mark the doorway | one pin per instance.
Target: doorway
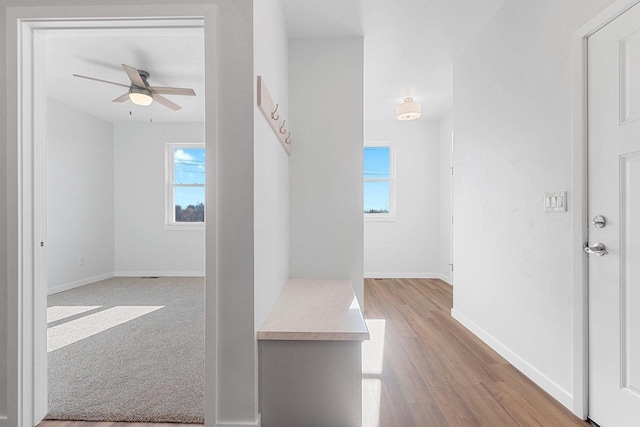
(30, 387)
(595, 273)
(124, 282)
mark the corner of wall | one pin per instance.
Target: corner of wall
(446, 278)
(446, 215)
(74, 137)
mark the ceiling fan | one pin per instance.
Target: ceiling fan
(141, 93)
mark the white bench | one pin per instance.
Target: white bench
(310, 352)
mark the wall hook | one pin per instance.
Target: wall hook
(272, 114)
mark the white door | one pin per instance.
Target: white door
(614, 193)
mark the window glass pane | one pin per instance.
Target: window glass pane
(376, 162)
(376, 197)
(189, 204)
(189, 165)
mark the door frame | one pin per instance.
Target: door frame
(580, 202)
(26, 386)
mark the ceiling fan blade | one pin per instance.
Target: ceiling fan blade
(134, 76)
(173, 90)
(122, 98)
(164, 101)
(100, 80)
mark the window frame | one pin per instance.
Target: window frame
(391, 216)
(170, 185)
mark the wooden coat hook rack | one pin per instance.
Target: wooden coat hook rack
(272, 115)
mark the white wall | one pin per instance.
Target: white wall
(87, 163)
(7, 192)
(444, 247)
(271, 167)
(513, 142)
(234, 237)
(408, 246)
(143, 247)
(326, 110)
(229, 249)
(80, 198)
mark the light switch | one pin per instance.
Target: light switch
(555, 202)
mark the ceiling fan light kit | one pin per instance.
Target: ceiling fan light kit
(140, 96)
(141, 93)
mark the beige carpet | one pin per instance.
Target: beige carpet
(128, 349)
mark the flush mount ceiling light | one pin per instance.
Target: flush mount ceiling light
(408, 110)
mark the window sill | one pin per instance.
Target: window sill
(381, 218)
(184, 227)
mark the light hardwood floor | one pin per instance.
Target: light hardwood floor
(435, 372)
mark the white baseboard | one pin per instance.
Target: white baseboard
(401, 275)
(159, 274)
(446, 279)
(256, 423)
(560, 394)
(78, 283)
(89, 280)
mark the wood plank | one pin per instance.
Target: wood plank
(437, 373)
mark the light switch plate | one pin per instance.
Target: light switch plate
(555, 202)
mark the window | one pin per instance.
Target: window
(379, 181)
(185, 178)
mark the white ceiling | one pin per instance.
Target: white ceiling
(409, 51)
(409, 44)
(173, 57)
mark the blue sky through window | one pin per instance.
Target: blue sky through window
(376, 176)
(376, 162)
(189, 168)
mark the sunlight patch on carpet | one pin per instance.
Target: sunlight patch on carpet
(85, 327)
(60, 312)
